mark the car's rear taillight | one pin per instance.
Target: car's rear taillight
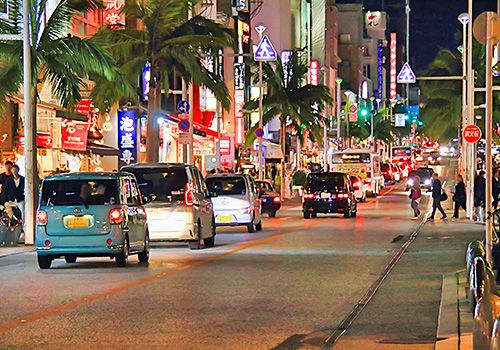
(277, 199)
(246, 210)
(309, 195)
(343, 195)
(115, 216)
(41, 217)
(188, 195)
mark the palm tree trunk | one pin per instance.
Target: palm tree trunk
(153, 134)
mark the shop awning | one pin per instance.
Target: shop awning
(71, 115)
(102, 150)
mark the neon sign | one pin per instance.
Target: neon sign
(393, 72)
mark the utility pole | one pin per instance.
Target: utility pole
(471, 157)
(191, 126)
(339, 107)
(29, 136)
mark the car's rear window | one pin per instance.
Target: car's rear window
(325, 182)
(266, 186)
(166, 183)
(227, 185)
(80, 192)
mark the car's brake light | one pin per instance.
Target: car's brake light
(115, 216)
(188, 195)
(277, 199)
(343, 195)
(309, 195)
(41, 217)
(246, 210)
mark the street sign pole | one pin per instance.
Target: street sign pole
(470, 118)
(260, 30)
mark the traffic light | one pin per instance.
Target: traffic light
(363, 111)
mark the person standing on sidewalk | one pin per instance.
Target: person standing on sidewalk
(480, 194)
(496, 187)
(416, 193)
(459, 197)
(3, 179)
(14, 189)
(437, 191)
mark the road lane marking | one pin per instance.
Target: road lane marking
(35, 317)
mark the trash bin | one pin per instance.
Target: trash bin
(3, 230)
(12, 235)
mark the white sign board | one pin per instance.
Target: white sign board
(184, 138)
(400, 120)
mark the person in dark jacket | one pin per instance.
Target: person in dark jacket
(459, 197)
(496, 187)
(436, 196)
(3, 179)
(14, 189)
(480, 189)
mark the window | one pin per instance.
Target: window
(230, 185)
(166, 183)
(79, 192)
(325, 182)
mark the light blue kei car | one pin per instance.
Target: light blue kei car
(91, 214)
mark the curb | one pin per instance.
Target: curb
(454, 322)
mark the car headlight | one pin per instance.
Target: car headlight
(410, 182)
(428, 182)
(440, 158)
(430, 158)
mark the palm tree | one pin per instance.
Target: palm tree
(58, 58)
(289, 98)
(173, 46)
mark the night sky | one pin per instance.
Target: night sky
(433, 24)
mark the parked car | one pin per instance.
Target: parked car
(358, 183)
(388, 173)
(330, 192)
(271, 200)
(91, 214)
(425, 175)
(180, 209)
(236, 201)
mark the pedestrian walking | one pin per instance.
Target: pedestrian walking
(274, 172)
(459, 197)
(437, 196)
(496, 187)
(415, 194)
(3, 179)
(480, 194)
(14, 190)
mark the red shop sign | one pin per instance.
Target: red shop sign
(74, 136)
(472, 133)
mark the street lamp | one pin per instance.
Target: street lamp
(260, 29)
(339, 105)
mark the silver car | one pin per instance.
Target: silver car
(179, 208)
(236, 201)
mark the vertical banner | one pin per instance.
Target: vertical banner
(127, 138)
(239, 121)
(393, 72)
(314, 72)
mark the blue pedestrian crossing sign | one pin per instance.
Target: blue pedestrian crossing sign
(265, 51)
(406, 75)
(183, 107)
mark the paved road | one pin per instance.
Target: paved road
(272, 289)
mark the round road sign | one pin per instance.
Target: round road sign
(353, 109)
(184, 125)
(471, 133)
(259, 132)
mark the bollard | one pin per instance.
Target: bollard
(495, 336)
(475, 249)
(487, 313)
(482, 282)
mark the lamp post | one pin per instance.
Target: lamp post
(471, 154)
(339, 107)
(464, 19)
(260, 29)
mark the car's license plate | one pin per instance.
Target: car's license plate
(78, 222)
(325, 195)
(225, 218)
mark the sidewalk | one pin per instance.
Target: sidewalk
(413, 308)
(14, 250)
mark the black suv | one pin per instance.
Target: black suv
(329, 193)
